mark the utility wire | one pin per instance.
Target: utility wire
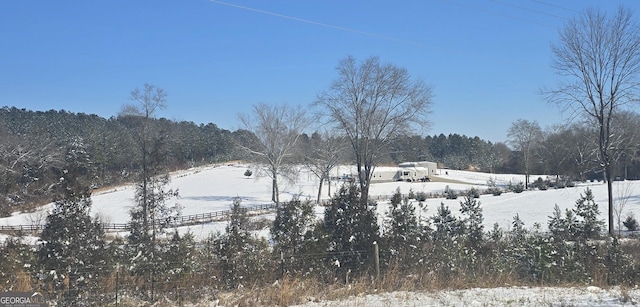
(557, 6)
(530, 10)
(316, 23)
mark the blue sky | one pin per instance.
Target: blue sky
(486, 60)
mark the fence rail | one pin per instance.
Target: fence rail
(192, 219)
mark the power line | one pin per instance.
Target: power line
(246, 8)
(530, 10)
(557, 6)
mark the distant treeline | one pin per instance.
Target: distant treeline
(34, 144)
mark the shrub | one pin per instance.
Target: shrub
(473, 192)
(412, 194)
(631, 223)
(541, 184)
(449, 193)
(421, 196)
(516, 188)
(493, 187)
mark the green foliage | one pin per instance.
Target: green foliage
(412, 194)
(473, 192)
(404, 232)
(421, 196)
(630, 223)
(472, 220)
(72, 241)
(540, 184)
(33, 149)
(516, 188)
(493, 187)
(248, 173)
(150, 219)
(620, 265)
(291, 232)
(350, 227)
(450, 193)
(234, 246)
(180, 260)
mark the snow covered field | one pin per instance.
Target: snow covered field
(213, 188)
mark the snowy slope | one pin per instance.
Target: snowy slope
(213, 188)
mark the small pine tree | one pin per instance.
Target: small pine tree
(587, 209)
(71, 253)
(472, 221)
(232, 248)
(403, 231)
(493, 187)
(148, 237)
(630, 223)
(450, 193)
(290, 229)
(351, 228)
(180, 256)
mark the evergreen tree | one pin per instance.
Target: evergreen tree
(71, 251)
(351, 228)
(234, 246)
(147, 239)
(404, 233)
(472, 221)
(587, 209)
(291, 229)
(180, 259)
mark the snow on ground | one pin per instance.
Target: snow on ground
(213, 188)
(512, 296)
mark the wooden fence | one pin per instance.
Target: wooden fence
(192, 219)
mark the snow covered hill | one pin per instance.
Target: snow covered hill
(213, 188)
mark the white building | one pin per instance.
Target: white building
(406, 171)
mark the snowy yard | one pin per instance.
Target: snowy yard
(213, 188)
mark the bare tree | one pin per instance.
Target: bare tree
(325, 152)
(624, 192)
(373, 103)
(145, 103)
(626, 139)
(525, 135)
(498, 155)
(599, 58)
(276, 129)
(552, 151)
(151, 216)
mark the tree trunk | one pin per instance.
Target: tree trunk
(320, 190)
(275, 191)
(610, 197)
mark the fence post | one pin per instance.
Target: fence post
(117, 284)
(376, 258)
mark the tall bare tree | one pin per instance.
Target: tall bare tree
(277, 129)
(626, 140)
(525, 135)
(144, 106)
(325, 152)
(599, 58)
(373, 103)
(151, 215)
